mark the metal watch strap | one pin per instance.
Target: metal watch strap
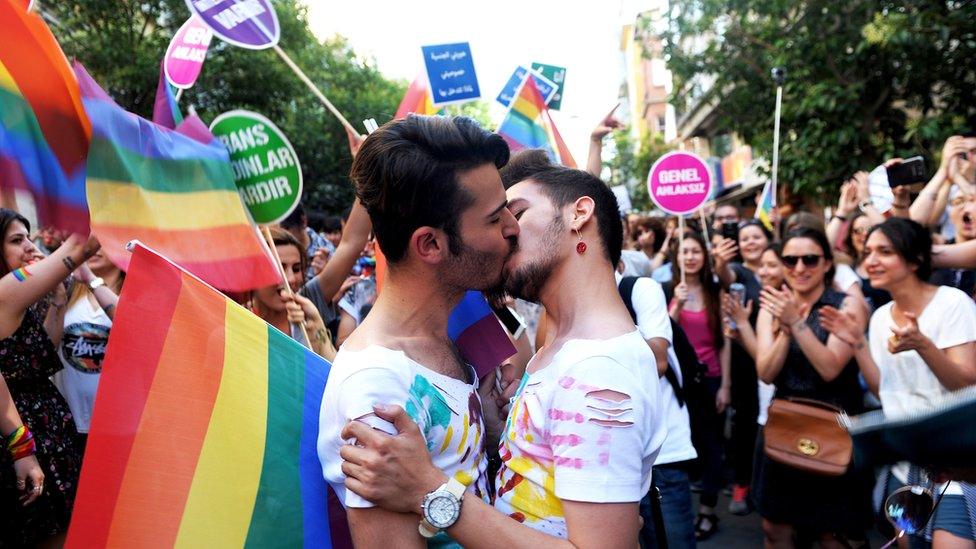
(454, 487)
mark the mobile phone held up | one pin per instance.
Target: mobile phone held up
(908, 172)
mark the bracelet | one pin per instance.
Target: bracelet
(841, 217)
(21, 443)
(901, 206)
(801, 322)
(859, 345)
(69, 264)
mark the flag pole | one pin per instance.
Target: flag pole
(681, 246)
(308, 82)
(179, 94)
(284, 277)
(779, 76)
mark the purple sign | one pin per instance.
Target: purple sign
(679, 182)
(250, 24)
(186, 52)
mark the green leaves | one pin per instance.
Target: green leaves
(122, 42)
(868, 79)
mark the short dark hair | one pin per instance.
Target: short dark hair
(524, 164)
(821, 241)
(652, 224)
(332, 224)
(911, 241)
(294, 219)
(755, 223)
(7, 218)
(406, 176)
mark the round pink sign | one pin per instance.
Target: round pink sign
(186, 52)
(679, 182)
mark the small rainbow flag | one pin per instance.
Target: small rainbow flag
(767, 201)
(173, 193)
(166, 112)
(529, 126)
(417, 100)
(478, 335)
(205, 425)
(44, 131)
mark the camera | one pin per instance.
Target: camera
(779, 75)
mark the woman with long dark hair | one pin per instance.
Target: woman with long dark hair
(31, 296)
(797, 354)
(696, 306)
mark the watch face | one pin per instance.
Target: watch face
(442, 509)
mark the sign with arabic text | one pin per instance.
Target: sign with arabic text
(546, 87)
(450, 71)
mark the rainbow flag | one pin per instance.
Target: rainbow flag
(205, 425)
(417, 100)
(173, 193)
(478, 335)
(767, 201)
(44, 132)
(529, 126)
(166, 112)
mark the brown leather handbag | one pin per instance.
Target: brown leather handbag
(805, 434)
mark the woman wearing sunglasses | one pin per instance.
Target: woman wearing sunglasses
(920, 347)
(799, 356)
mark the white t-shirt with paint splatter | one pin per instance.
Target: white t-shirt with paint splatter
(587, 428)
(447, 410)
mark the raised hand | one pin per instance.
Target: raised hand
(735, 310)
(782, 304)
(606, 125)
(907, 337)
(848, 198)
(723, 253)
(842, 324)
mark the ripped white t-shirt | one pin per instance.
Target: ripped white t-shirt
(587, 428)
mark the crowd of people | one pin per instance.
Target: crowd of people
(648, 357)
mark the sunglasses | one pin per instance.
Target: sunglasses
(809, 260)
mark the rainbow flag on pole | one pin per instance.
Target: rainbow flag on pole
(529, 126)
(767, 201)
(205, 425)
(417, 100)
(174, 193)
(44, 131)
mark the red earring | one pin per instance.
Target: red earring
(580, 246)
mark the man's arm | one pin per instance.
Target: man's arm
(395, 472)
(382, 529)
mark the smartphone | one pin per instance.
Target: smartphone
(730, 230)
(511, 320)
(908, 172)
(738, 292)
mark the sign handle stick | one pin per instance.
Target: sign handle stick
(274, 251)
(179, 94)
(325, 101)
(681, 246)
(704, 223)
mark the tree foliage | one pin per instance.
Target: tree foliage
(632, 162)
(867, 79)
(121, 42)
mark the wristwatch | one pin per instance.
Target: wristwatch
(442, 507)
(95, 283)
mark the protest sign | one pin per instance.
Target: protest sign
(186, 52)
(450, 71)
(251, 24)
(265, 167)
(679, 182)
(546, 87)
(557, 75)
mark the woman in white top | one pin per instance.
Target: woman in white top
(921, 346)
(84, 339)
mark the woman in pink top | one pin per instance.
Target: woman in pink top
(696, 306)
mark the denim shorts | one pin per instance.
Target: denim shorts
(951, 514)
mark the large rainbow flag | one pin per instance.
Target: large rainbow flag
(174, 193)
(44, 131)
(205, 425)
(417, 100)
(529, 126)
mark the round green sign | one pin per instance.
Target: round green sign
(265, 166)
